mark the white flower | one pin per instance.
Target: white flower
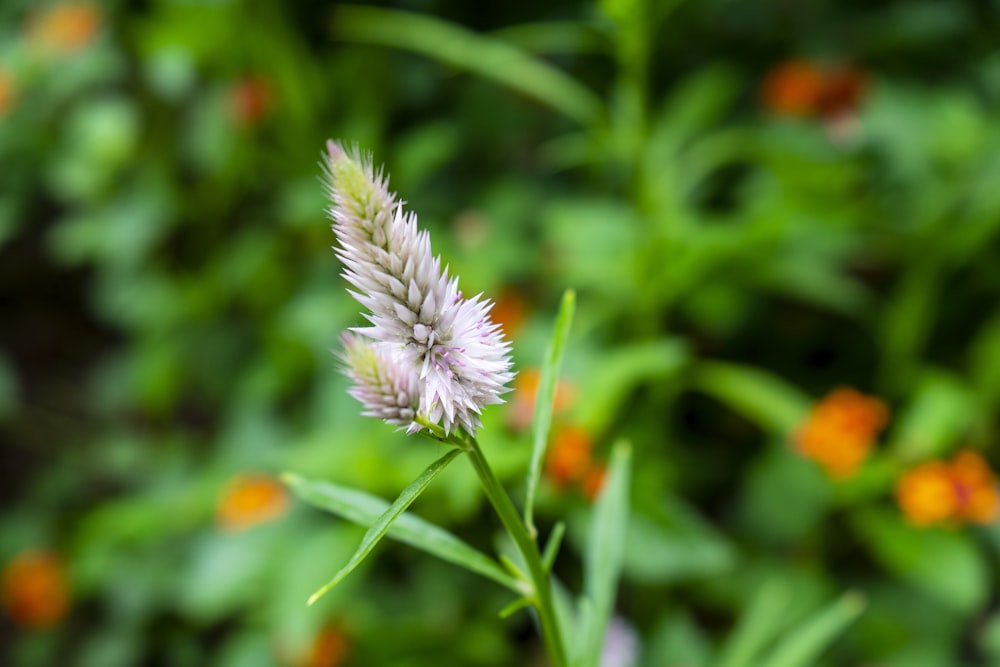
(458, 353)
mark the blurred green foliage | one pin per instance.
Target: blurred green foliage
(168, 303)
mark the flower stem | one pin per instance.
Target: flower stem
(511, 519)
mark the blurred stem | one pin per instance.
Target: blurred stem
(511, 519)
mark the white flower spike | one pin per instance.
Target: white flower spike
(448, 358)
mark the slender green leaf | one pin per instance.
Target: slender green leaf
(487, 56)
(668, 541)
(552, 546)
(584, 625)
(364, 509)
(513, 567)
(675, 640)
(804, 644)
(616, 374)
(759, 624)
(907, 319)
(941, 410)
(946, 564)
(984, 363)
(515, 606)
(605, 554)
(769, 401)
(545, 399)
(570, 37)
(385, 521)
(566, 613)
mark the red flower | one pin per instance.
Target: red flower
(250, 100)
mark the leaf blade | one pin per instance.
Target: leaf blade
(759, 623)
(381, 526)
(605, 553)
(766, 399)
(807, 641)
(545, 399)
(489, 57)
(363, 509)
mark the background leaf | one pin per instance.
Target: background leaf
(486, 56)
(604, 555)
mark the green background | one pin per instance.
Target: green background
(169, 302)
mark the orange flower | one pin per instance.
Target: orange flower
(569, 456)
(328, 649)
(6, 92)
(841, 429)
(249, 500)
(794, 88)
(35, 593)
(962, 491)
(926, 494)
(975, 488)
(522, 409)
(65, 28)
(249, 101)
(800, 88)
(509, 311)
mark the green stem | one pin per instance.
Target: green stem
(511, 520)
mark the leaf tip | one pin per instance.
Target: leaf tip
(622, 450)
(323, 591)
(854, 602)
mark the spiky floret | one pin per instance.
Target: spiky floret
(459, 355)
(385, 382)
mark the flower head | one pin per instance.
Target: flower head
(801, 88)
(963, 490)
(794, 88)
(841, 429)
(64, 28)
(421, 325)
(328, 649)
(249, 500)
(34, 589)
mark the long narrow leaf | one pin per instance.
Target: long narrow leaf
(364, 509)
(382, 525)
(551, 37)
(807, 641)
(545, 399)
(552, 547)
(766, 399)
(605, 554)
(488, 57)
(759, 624)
